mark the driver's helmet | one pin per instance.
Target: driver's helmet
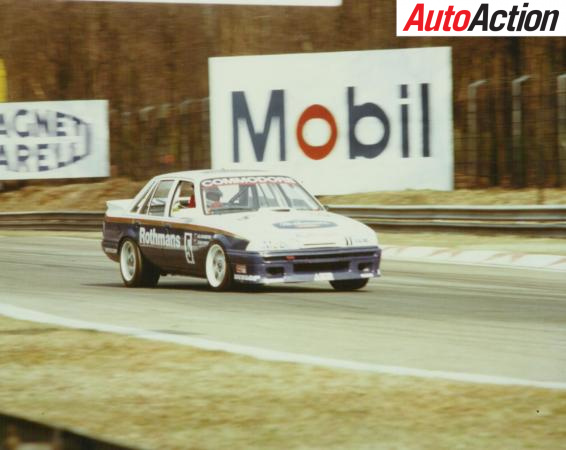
(213, 194)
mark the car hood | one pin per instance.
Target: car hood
(296, 229)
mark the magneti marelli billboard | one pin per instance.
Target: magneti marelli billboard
(66, 139)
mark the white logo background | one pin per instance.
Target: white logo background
(405, 9)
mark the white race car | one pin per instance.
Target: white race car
(245, 227)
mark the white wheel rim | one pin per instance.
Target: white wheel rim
(215, 265)
(128, 261)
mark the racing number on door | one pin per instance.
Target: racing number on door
(189, 254)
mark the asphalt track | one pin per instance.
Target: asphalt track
(440, 317)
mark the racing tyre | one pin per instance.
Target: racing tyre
(349, 285)
(136, 270)
(217, 266)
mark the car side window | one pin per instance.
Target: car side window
(184, 200)
(139, 206)
(156, 206)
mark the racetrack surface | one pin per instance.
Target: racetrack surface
(458, 318)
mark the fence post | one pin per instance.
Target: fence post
(473, 157)
(561, 129)
(115, 149)
(146, 147)
(206, 132)
(517, 132)
(126, 143)
(184, 127)
(163, 136)
(3, 83)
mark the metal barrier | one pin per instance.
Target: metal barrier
(53, 221)
(503, 218)
(17, 433)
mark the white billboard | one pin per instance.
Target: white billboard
(340, 122)
(66, 139)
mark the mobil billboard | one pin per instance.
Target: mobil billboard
(339, 122)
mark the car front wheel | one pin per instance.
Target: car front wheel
(349, 285)
(136, 270)
(218, 270)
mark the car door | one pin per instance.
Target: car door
(184, 211)
(152, 224)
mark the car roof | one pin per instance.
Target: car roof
(199, 175)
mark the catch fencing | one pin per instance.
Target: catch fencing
(160, 138)
(511, 133)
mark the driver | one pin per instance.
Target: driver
(184, 198)
(213, 196)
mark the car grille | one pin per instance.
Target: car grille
(341, 266)
(301, 257)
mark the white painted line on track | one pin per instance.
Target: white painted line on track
(72, 238)
(271, 355)
(484, 258)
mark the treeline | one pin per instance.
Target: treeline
(136, 55)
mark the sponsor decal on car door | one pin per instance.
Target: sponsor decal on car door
(189, 253)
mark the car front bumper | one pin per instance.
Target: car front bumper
(326, 264)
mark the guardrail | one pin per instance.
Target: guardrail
(551, 219)
(53, 221)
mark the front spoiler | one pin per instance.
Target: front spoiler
(309, 265)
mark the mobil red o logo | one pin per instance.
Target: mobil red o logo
(317, 152)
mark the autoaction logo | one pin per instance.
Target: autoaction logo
(39, 140)
(481, 18)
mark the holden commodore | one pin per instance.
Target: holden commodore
(236, 227)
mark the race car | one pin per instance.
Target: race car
(236, 227)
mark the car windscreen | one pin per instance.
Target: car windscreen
(239, 194)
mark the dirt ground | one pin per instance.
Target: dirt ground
(68, 197)
(156, 395)
(93, 197)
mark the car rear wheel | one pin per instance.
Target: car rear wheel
(349, 285)
(218, 270)
(136, 270)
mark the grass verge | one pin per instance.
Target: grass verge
(157, 395)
